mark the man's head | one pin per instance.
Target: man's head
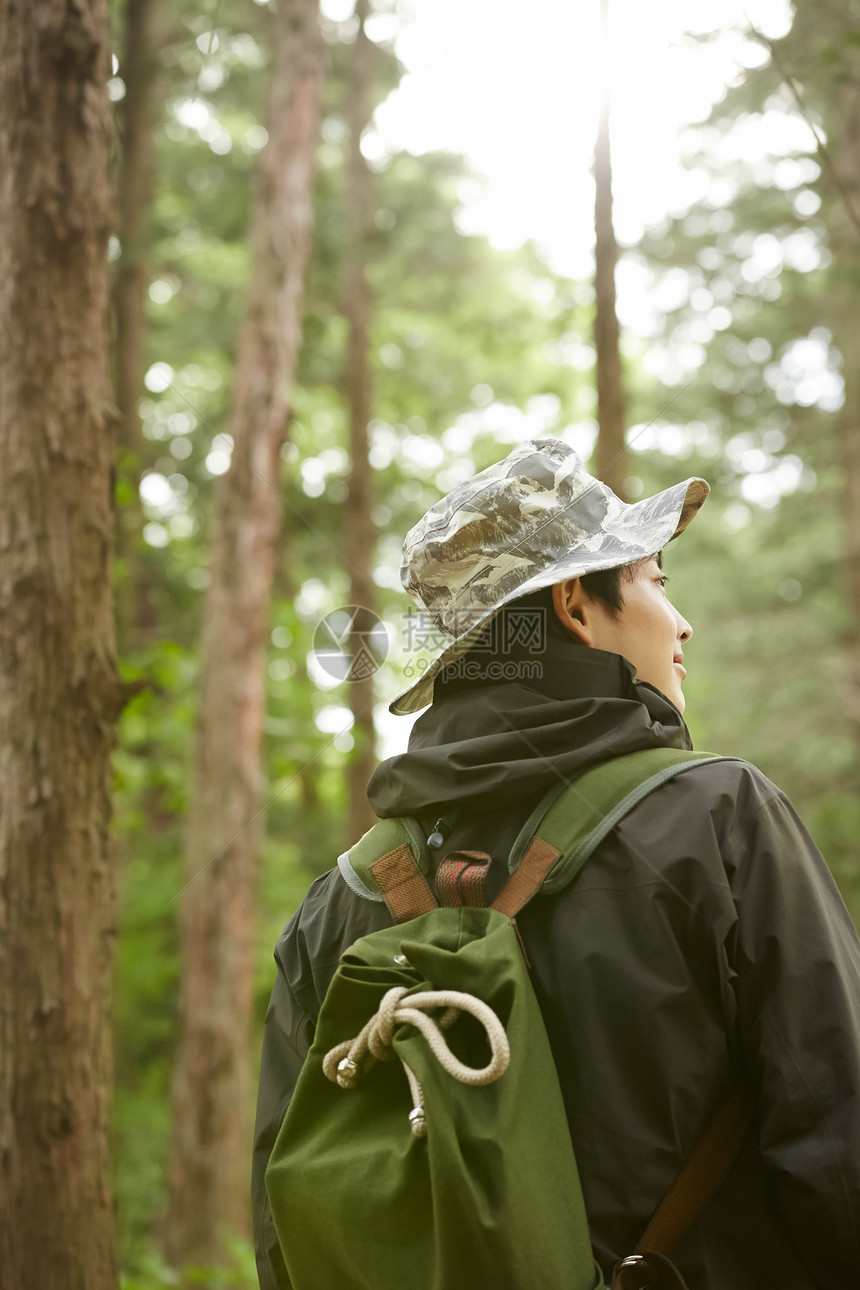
(624, 611)
(529, 522)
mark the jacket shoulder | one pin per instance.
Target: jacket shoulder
(729, 778)
(703, 827)
(329, 919)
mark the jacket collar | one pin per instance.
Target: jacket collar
(483, 742)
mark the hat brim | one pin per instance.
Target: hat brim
(683, 500)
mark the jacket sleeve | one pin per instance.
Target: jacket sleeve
(287, 1037)
(797, 960)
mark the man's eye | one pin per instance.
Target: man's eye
(662, 581)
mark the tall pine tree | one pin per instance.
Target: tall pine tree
(208, 1192)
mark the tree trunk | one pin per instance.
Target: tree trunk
(850, 454)
(137, 126)
(358, 525)
(611, 453)
(59, 690)
(846, 251)
(137, 118)
(208, 1180)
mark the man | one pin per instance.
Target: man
(703, 945)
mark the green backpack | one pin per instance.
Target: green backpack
(471, 1180)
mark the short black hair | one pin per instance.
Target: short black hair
(604, 586)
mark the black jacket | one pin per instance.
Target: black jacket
(705, 941)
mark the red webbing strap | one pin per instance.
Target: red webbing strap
(403, 886)
(701, 1176)
(460, 879)
(527, 878)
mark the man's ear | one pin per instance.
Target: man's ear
(571, 606)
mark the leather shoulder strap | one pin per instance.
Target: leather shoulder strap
(701, 1177)
(389, 863)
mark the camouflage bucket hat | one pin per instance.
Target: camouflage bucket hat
(529, 521)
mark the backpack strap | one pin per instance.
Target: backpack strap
(461, 878)
(553, 845)
(390, 863)
(702, 1175)
(685, 1202)
(572, 819)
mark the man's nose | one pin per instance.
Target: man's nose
(685, 631)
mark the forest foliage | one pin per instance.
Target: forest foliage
(473, 349)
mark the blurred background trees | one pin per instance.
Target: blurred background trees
(610, 457)
(207, 1194)
(765, 272)
(282, 425)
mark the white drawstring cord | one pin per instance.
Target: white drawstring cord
(341, 1064)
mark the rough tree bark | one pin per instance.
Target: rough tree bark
(209, 1168)
(59, 690)
(137, 117)
(611, 453)
(358, 525)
